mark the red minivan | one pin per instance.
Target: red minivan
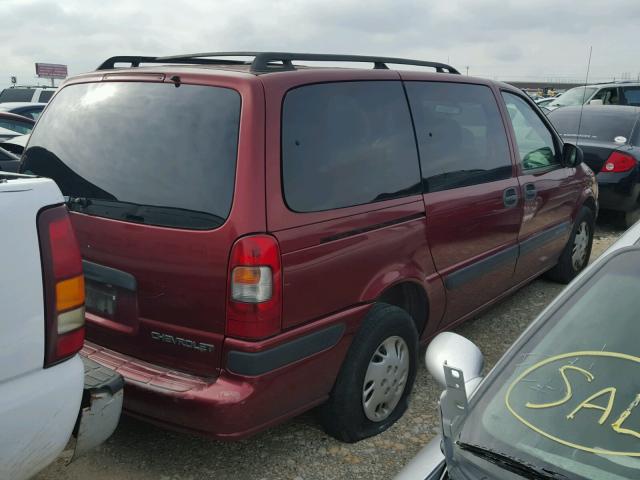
(261, 237)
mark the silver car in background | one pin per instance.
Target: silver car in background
(564, 400)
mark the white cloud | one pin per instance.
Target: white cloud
(505, 39)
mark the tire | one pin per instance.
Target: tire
(345, 415)
(569, 265)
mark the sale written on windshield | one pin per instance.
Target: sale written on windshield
(569, 398)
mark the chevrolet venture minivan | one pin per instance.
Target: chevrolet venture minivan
(262, 237)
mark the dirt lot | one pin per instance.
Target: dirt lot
(299, 449)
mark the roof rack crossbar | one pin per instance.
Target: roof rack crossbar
(264, 62)
(135, 61)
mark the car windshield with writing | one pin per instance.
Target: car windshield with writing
(141, 152)
(567, 398)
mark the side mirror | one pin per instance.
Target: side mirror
(572, 155)
(596, 102)
(456, 351)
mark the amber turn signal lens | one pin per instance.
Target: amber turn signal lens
(70, 293)
(246, 275)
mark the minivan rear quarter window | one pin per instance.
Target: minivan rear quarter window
(346, 144)
(141, 152)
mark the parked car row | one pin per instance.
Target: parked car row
(259, 239)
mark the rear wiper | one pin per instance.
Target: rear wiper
(140, 213)
(79, 201)
(512, 464)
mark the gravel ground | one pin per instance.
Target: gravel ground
(299, 449)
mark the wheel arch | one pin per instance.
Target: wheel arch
(412, 297)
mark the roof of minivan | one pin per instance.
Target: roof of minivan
(291, 68)
(244, 72)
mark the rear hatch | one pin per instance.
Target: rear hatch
(148, 169)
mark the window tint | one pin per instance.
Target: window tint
(535, 141)
(33, 113)
(347, 144)
(16, 95)
(461, 136)
(141, 152)
(631, 96)
(45, 95)
(609, 96)
(22, 128)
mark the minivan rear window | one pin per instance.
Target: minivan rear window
(141, 152)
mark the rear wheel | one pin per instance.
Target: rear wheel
(575, 256)
(374, 384)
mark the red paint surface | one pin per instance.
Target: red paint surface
(182, 275)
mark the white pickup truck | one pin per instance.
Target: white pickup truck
(47, 395)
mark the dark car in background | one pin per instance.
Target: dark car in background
(609, 136)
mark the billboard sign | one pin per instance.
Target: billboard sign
(51, 70)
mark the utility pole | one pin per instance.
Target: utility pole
(467, 70)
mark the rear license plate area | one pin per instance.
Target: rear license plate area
(100, 299)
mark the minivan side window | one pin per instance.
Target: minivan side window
(535, 142)
(347, 144)
(461, 136)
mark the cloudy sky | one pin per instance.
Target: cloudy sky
(505, 39)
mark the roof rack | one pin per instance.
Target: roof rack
(264, 62)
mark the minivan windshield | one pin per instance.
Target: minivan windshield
(575, 96)
(142, 152)
(567, 399)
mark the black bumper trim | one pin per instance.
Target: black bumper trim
(258, 363)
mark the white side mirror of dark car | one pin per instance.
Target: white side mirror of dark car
(456, 351)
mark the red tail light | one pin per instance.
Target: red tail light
(63, 286)
(619, 162)
(254, 304)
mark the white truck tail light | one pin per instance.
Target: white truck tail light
(63, 285)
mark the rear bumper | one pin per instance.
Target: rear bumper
(101, 406)
(37, 414)
(263, 384)
(618, 191)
